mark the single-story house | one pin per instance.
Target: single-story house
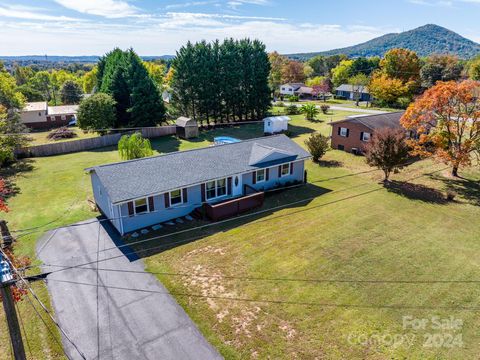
(275, 124)
(351, 134)
(348, 92)
(290, 88)
(61, 115)
(38, 115)
(34, 114)
(139, 193)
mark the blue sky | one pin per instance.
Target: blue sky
(87, 27)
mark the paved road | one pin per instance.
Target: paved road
(346, 108)
(125, 324)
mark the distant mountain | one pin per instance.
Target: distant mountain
(425, 40)
(67, 59)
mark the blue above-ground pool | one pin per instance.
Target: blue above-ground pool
(221, 140)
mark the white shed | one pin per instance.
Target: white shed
(275, 124)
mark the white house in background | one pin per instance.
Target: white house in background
(34, 113)
(275, 124)
(166, 96)
(38, 115)
(290, 88)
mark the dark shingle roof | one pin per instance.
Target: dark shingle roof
(155, 175)
(348, 87)
(390, 120)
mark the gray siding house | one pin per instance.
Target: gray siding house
(140, 193)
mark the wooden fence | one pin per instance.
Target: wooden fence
(66, 147)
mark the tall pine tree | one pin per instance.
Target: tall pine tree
(123, 75)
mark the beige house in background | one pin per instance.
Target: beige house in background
(38, 115)
(34, 113)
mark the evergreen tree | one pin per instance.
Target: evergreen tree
(123, 75)
(71, 92)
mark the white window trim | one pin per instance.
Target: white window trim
(281, 171)
(170, 198)
(369, 136)
(346, 132)
(135, 207)
(264, 176)
(216, 189)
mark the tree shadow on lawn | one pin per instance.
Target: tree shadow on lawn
(416, 192)
(199, 229)
(468, 189)
(16, 169)
(330, 163)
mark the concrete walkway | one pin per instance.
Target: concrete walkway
(106, 322)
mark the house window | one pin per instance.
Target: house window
(269, 123)
(39, 114)
(285, 170)
(176, 197)
(221, 187)
(211, 192)
(260, 175)
(343, 132)
(283, 88)
(141, 206)
(341, 147)
(365, 136)
(216, 188)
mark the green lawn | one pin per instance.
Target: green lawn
(40, 137)
(349, 228)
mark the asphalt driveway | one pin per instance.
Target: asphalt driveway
(106, 322)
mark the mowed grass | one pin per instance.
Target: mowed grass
(349, 228)
(41, 137)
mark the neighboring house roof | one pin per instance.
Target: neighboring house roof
(184, 121)
(139, 178)
(390, 120)
(62, 110)
(295, 86)
(305, 90)
(35, 106)
(349, 88)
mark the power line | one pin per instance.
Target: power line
(278, 302)
(267, 279)
(238, 218)
(47, 327)
(42, 304)
(169, 245)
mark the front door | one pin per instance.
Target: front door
(237, 185)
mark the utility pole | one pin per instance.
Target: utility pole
(6, 282)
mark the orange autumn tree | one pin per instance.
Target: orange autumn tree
(19, 262)
(447, 120)
(4, 191)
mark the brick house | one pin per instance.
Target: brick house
(351, 134)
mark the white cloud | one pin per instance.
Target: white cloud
(191, 4)
(29, 13)
(166, 34)
(235, 4)
(105, 8)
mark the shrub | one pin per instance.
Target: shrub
(293, 98)
(325, 108)
(134, 147)
(291, 110)
(280, 104)
(61, 133)
(317, 145)
(403, 102)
